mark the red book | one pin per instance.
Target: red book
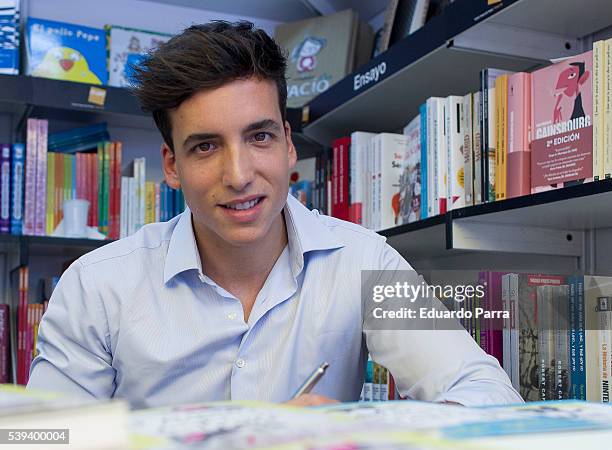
(5, 344)
(562, 124)
(94, 181)
(111, 190)
(340, 205)
(519, 123)
(22, 311)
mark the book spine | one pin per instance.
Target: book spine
(513, 299)
(476, 132)
(111, 190)
(142, 179)
(118, 186)
(500, 193)
(29, 216)
(95, 183)
(607, 113)
(355, 168)
(483, 112)
(384, 384)
(157, 202)
(17, 184)
(124, 201)
(106, 192)
(335, 206)
(132, 205)
(41, 178)
(604, 315)
(468, 150)
(100, 196)
(50, 194)
(22, 324)
(5, 344)
(562, 344)
(580, 381)
(424, 162)
(598, 108)
(58, 188)
(369, 380)
(5, 188)
(572, 337)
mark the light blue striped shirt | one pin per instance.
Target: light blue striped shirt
(139, 319)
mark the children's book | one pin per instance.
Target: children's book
(65, 51)
(9, 37)
(126, 48)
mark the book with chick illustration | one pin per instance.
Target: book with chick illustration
(66, 51)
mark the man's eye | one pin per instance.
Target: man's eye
(262, 137)
(204, 147)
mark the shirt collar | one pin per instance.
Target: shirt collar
(305, 233)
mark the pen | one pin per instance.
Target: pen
(311, 381)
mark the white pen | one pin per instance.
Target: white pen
(311, 381)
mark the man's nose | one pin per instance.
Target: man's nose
(238, 168)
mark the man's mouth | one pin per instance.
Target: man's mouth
(240, 206)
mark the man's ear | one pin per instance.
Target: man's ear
(292, 152)
(169, 167)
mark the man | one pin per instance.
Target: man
(246, 292)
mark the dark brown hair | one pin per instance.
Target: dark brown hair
(206, 57)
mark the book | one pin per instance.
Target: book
(65, 51)
(410, 15)
(607, 110)
(498, 183)
(31, 158)
(424, 164)
(455, 195)
(599, 93)
(9, 36)
(340, 178)
(92, 424)
(519, 123)
(5, 188)
(41, 178)
(410, 183)
(358, 176)
(390, 149)
(477, 149)
(5, 344)
(17, 180)
(321, 52)
(562, 110)
(126, 48)
(384, 40)
(468, 149)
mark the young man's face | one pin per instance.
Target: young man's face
(232, 156)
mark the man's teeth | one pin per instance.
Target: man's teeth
(245, 205)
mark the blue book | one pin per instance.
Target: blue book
(17, 158)
(9, 37)
(65, 51)
(423, 113)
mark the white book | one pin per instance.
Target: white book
(455, 195)
(439, 157)
(468, 149)
(607, 95)
(374, 186)
(431, 167)
(391, 149)
(132, 206)
(514, 331)
(598, 116)
(505, 296)
(140, 175)
(123, 219)
(358, 175)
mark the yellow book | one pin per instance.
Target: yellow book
(607, 111)
(503, 151)
(50, 219)
(150, 202)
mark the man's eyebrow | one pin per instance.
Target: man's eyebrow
(266, 124)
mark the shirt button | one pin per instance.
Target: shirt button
(240, 363)
(231, 316)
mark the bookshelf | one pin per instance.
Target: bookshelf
(25, 96)
(548, 223)
(445, 56)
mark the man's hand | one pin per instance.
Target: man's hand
(311, 400)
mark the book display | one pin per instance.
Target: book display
(450, 133)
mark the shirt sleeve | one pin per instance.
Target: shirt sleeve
(438, 365)
(73, 346)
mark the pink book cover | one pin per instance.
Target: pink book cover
(29, 213)
(562, 130)
(40, 221)
(519, 123)
(491, 329)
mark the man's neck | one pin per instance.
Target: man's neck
(243, 270)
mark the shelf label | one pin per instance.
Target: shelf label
(97, 96)
(371, 76)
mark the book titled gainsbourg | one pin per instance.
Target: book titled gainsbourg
(322, 51)
(562, 111)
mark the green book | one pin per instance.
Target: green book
(101, 186)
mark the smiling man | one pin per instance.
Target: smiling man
(247, 291)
